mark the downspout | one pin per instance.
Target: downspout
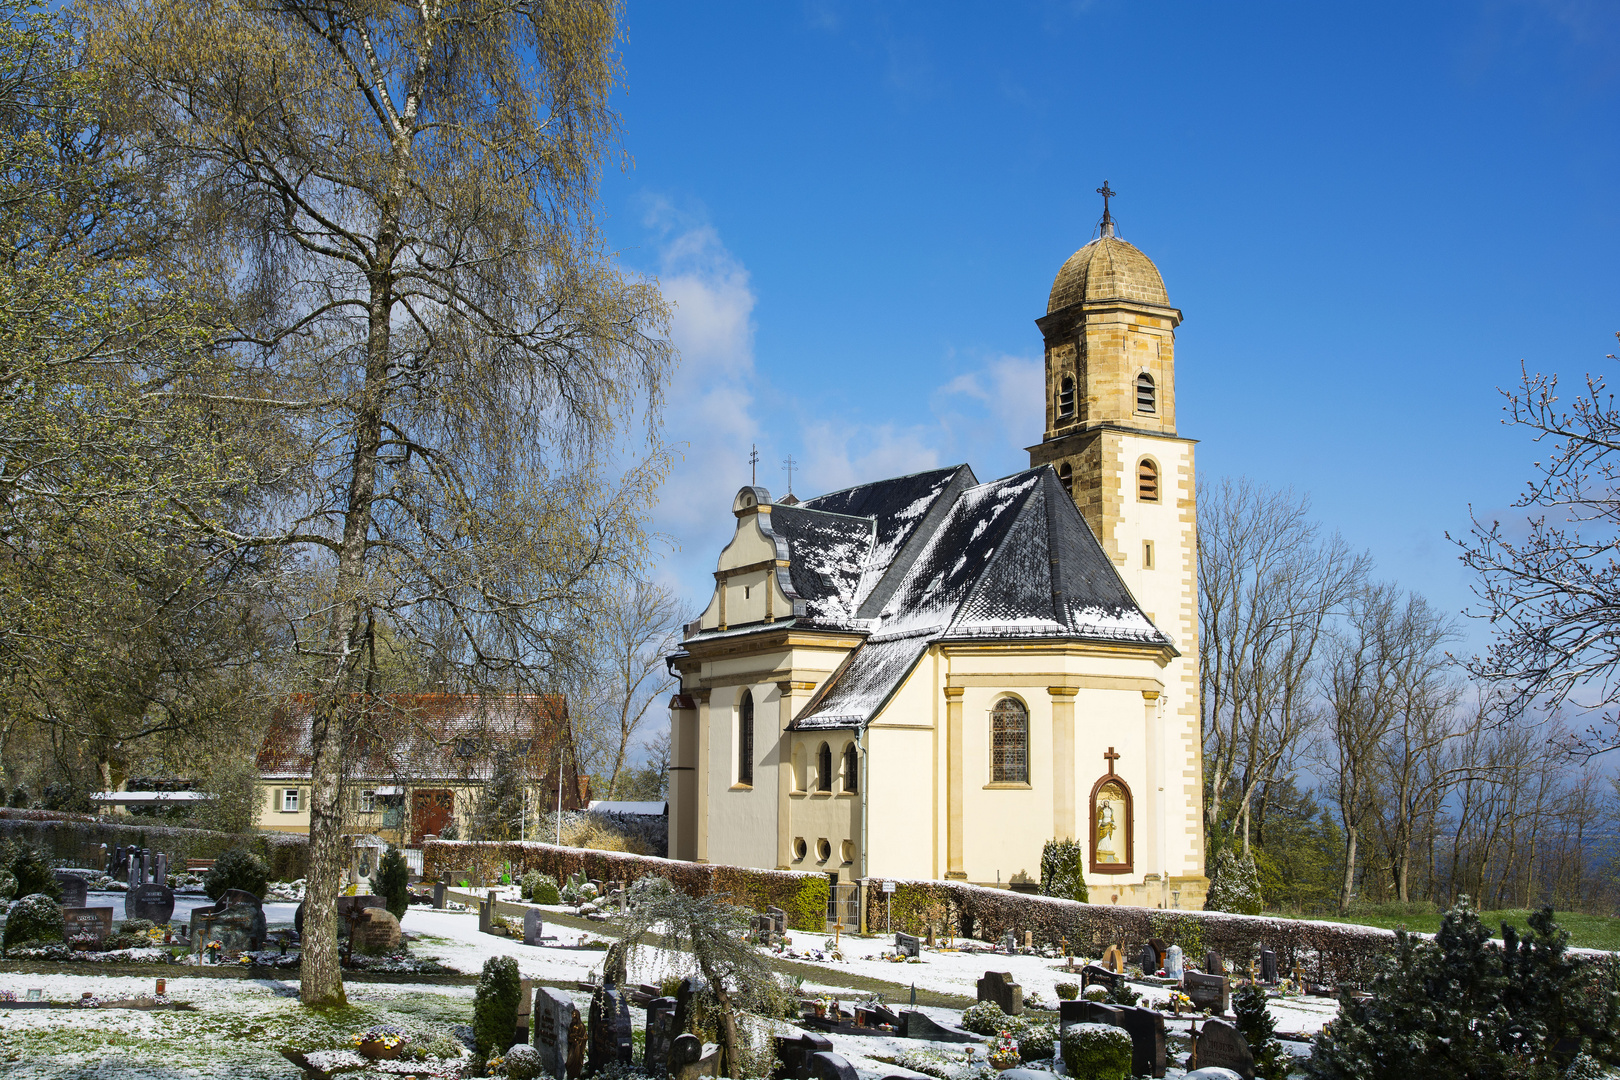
(860, 742)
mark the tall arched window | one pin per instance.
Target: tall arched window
(1065, 401)
(852, 768)
(1147, 399)
(1112, 831)
(1066, 478)
(745, 739)
(1147, 480)
(1009, 742)
(824, 768)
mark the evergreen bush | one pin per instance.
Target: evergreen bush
(1258, 1027)
(495, 1005)
(545, 892)
(1036, 1042)
(237, 868)
(1235, 885)
(392, 882)
(523, 1063)
(1122, 993)
(1063, 867)
(34, 874)
(1067, 991)
(1095, 993)
(985, 1018)
(1097, 1052)
(8, 885)
(36, 917)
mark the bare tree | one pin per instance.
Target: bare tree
(395, 204)
(1269, 584)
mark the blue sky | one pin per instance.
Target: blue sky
(1368, 214)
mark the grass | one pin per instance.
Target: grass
(1585, 931)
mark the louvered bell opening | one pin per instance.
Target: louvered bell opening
(1147, 482)
(1066, 399)
(1146, 398)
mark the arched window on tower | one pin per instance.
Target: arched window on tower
(1065, 401)
(1147, 480)
(745, 739)
(852, 768)
(1009, 742)
(1066, 478)
(1147, 400)
(824, 768)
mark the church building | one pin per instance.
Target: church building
(931, 676)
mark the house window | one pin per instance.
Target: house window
(368, 801)
(852, 766)
(824, 768)
(289, 800)
(745, 740)
(1009, 742)
(1147, 481)
(1146, 394)
(1065, 400)
(1066, 478)
(1147, 554)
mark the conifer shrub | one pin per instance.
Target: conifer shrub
(392, 882)
(1258, 1027)
(1097, 1052)
(1063, 867)
(34, 874)
(237, 868)
(1235, 885)
(36, 917)
(495, 1005)
(541, 888)
(1122, 993)
(1459, 1007)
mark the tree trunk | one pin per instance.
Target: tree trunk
(1349, 867)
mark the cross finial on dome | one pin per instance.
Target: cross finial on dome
(1108, 219)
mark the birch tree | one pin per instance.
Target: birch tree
(395, 203)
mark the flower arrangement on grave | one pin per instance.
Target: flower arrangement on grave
(1179, 1002)
(214, 949)
(384, 1042)
(1003, 1052)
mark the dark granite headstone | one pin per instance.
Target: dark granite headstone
(533, 926)
(1149, 960)
(778, 919)
(683, 1004)
(75, 893)
(236, 921)
(1158, 945)
(1211, 992)
(94, 923)
(690, 1059)
(876, 1015)
(1087, 1012)
(151, 901)
(1214, 963)
(438, 894)
(793, 1055)
(918, 1025)
(486, 922)
(1222, 1046)
(1268, 966)
(999, 987)
(908, 945)
(162, 874)
(660, 1034)
(827, 1065)
(610, 1030)
(1146, 1027)
(1100, 976)
(553, 1014)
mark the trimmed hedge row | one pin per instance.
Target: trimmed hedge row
(1329, 953)
(76, 839)
(802, 895)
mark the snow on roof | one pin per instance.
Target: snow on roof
(135, 798)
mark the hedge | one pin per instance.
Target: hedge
(1330, 953)
(802, 895)
(75, 839)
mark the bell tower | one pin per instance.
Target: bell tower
(1110, 343)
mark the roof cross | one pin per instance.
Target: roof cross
(1112, 757)
(789, 464)
(753, 466)
(1107, 193)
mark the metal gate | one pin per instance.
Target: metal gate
(843, 904)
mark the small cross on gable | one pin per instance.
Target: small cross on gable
(1112, 757)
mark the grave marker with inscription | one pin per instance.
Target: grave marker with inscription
(999, 987)
(553, 1015)
(90, 925)
(534, 927)
(152, 901)
(907, 945)
(660, 1035)
(1221, 1046)
(1210, 992)
(1268, 966)
(75, 893)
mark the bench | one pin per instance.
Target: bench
(199, 866)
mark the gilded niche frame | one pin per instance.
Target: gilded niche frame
(1130, 825)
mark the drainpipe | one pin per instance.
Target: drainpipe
(860, 743)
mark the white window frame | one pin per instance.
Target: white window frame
(368, 801)
(289, 800)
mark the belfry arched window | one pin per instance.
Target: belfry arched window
(824, 768)
(1066, 478)
(1112, 831)
(1065, 400)
(1147, 480)
(745, 739)
(1147, 399)
(852, 768)
(1009, 742)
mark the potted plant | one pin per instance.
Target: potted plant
(1003, 1052)
(381, 1043)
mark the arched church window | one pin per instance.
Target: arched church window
(824, 768)
(745, 739)
(1066, 478)
(852, 766)
(1009, 742)
(1147, 480)
(1111, 827)
(1147, 400)
(1065, 402)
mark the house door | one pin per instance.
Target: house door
(430, 813)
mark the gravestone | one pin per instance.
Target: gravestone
(1101, 976)
(1113, 958)
(533, 927)
(1008, 945)
(525, 1011)
(999, 987)
(683, 1004)
(918, 1025)
(486, 916)
(152, 901)
(908, 945)
(778, 918)
(377, 931)
(115, 863)
(75, 893)
(690, 1059)
(236, 921)
(162, 875)
(553, 1014)
(610, 1030)
(439, 888)
(793, 1055)
(1211, 992)
(94, 923)
(660, 1034)
(1174, 966)
(346, 906)
(1159, 947)
(1146, 1028)
(1268, 966)
(1222, 1046)
(1214, 964)
(1149, 960)
(1086, 1012)
(827, 1065)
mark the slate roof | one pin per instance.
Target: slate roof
(938, 556)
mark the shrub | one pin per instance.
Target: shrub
(495, 1005)
(8, 885)
(34, 874)
(392, 882)
(1067, 991)
(523, 1063)
(1235, 885)
(1257, 1025)
(1036, 1042)
(1096, 993)
(36, 917)
(985, 1018)
(1122, 993)
(541, 888)
(1063, 868)
(1097, 1052)
(237, 868)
